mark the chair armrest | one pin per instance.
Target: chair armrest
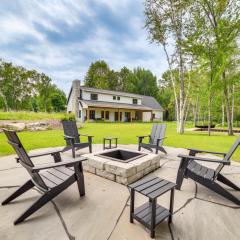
(58, 164)
(143, 136)
(41, 154)
(69, 137)
(85, 135)
(161, 138)
(205, 151)
(203, 159)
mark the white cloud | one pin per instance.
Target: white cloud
(65, 61)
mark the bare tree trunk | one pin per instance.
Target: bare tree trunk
(209, 114)
(173, 86)
(196, 111)
(223, 114)
(228, 108)
(181, 94)
(187, 111)
(4, 101)
(232, 117)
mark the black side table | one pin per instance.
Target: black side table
(150, 214)
(110, 142)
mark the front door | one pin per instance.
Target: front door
(92, 114)
(127, 117)
(138, 115)
(116, 116)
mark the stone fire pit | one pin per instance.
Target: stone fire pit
(121, 165)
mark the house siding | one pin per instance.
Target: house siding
(109, 98)
(105, 102)
(147, 116)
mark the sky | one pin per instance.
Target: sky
(63, 37)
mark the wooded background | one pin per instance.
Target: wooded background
(200, 40)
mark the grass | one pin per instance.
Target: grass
(21, 115)
(127, 133)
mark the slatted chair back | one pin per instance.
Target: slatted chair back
(228, 156)
(158, 131)
(70, 129)
(24, 159)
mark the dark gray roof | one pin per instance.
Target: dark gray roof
(151, 102)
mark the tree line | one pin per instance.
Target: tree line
(138, 80)
(200, 39)
(23, 89)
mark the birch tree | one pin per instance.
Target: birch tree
(166, 22)
(216, 26)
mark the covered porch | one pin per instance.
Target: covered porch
(115, 112)
(117, 115)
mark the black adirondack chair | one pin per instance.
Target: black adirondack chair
(190, 168)
(155, 139)
(50, 179)
(72, 138)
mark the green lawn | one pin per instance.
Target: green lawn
(22, 115)
(127, 133)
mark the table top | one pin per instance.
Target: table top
(110, 138)
(152, 187)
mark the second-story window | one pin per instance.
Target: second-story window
(135, 101)
(114, 97)
(94, 96)
(118, 98)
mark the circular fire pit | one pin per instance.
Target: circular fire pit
(121, 165)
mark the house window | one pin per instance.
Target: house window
(92, 114)
(102, 114)
(114, 97)
(80, 114)
(107, 115)
(135, 101)
(94, 96)
(118, 98)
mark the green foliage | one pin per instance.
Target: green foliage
(203, 60)
(139, 81)
(98, 75)
(26, 115)
(68, 117)
(147, 82)
(22, 89)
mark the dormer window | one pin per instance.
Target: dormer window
(135, 101)
(94, 96)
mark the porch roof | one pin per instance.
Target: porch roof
(101, 104)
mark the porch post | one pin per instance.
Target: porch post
(89, 114)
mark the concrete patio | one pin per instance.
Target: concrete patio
(103, 214)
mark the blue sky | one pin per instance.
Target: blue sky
(62, 38)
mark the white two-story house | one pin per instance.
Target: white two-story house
(107, 105)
